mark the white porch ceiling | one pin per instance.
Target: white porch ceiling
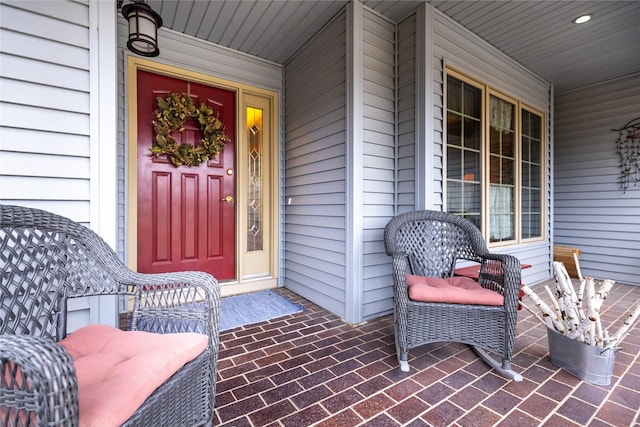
(538, 34)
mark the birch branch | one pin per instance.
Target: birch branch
(603, 292)
(615, 339)
(554, 301)
(592, 313)
(580, 277)
(598, 330)
(546, 320)
(544, 308)
(578, 270)
(567, 298)
(583, 283)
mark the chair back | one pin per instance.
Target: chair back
(46, 259)
(433, 241)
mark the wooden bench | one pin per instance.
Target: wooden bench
(565, 255)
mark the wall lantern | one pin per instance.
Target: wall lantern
(143, 28)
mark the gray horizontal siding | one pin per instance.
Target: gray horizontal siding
(45, 106)
(406, 92)
(378, 163)
(590, 209)
(45, 111)
(315, 169)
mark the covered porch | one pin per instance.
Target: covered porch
(312, 368)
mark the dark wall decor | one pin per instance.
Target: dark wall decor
(628, 148)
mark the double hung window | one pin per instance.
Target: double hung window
(494, 161)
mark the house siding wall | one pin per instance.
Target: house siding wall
(590, 209)
(45, 106)
(56, 119)
(407, 95)
(315, 169)
(455, 46)
(378, 162)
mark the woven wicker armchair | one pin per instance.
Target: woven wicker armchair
(430, 243)
(47, 260)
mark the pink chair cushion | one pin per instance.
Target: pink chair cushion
(455, 290)
(118, 370)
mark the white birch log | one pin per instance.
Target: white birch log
(580, 333)
(590, 298)
(603, 292)
(583, 283)
(544, 308)
(599, 336)
(554, 301)
(567, 298)
(591, 313)
(580, 277)
(546, 320)
(578, 270)
(615, 339)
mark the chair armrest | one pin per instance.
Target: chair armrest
(401, 267)
(186, 301)
(37, 382)
(502, 273)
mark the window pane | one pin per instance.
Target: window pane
(501, 114)
(494, 141)
(464, 141)
(508, 171)
(454, 94)
(508, 149)
(454, 197)
(494, 170)
(472, 133)
(535, 176)
(535, 148)
(536, 127)
(255, 226)
(535, 196)
(501, 213)
(454, 129)
(472, 104)
(472, 166)
(502, 170)
(526, 148)
(454, 163)
(472, 199)
(531, 179)
(526, 174)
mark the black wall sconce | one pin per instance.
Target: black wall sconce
(143, 27)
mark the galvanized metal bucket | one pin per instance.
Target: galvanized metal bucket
(587, 362)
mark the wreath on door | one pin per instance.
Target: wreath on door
(170, 117)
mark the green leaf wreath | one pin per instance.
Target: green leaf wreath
(170, 117)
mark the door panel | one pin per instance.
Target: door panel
(184, 222)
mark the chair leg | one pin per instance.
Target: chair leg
(403, 356)
(504, 369)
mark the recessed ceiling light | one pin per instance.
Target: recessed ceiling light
(582, 19)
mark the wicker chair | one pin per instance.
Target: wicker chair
(430, 243)
(46, 260)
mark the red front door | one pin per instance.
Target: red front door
(186, 214)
